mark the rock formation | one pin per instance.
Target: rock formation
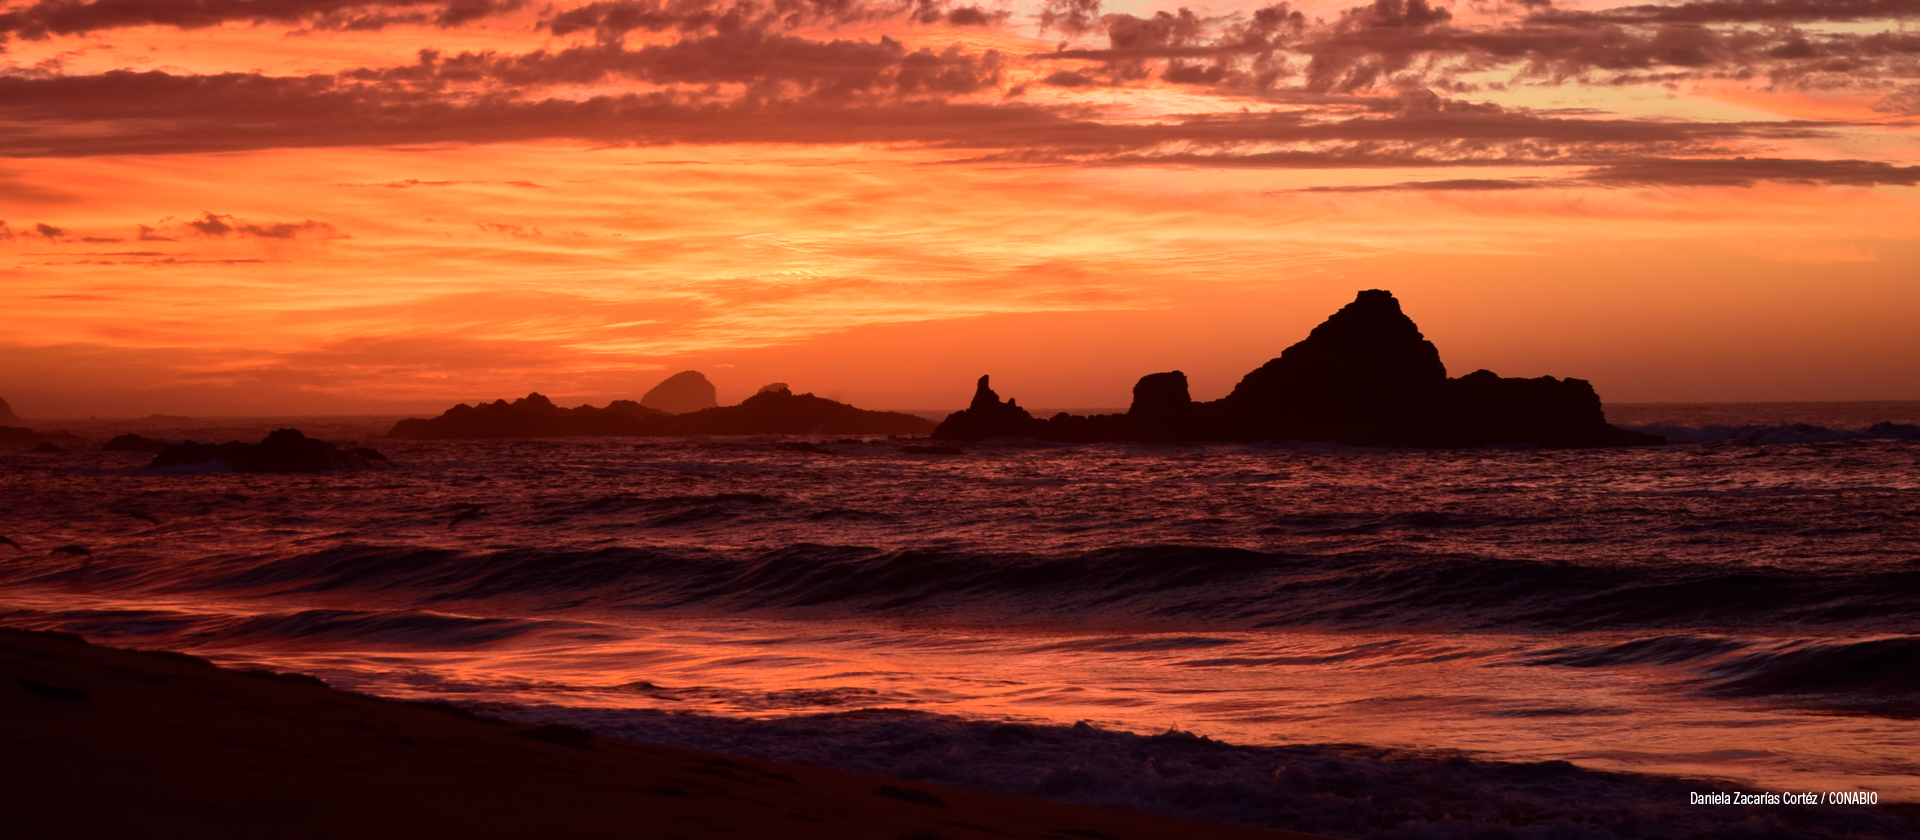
(14, 430)
(131, 442)
(283, 451)
(988, 417)
(773, 411)
(778, 411)
(681, 393)
(1365, 376)
(531, 416)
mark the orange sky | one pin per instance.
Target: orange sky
(298, 206)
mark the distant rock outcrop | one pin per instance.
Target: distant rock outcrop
(14, 430)
(771, 412)
(131, 442)
(681, 393)
(1365, 376)
(283, 451)
(531, 416)
(779, 411)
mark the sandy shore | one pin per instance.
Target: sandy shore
(107, 743)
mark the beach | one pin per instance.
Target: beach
(104, 743)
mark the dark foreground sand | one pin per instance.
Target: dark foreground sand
(104, 743)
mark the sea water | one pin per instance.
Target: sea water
(1243, 626)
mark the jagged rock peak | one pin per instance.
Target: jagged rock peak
(681, 393)
(1373, 336)
(7, 417)
(774, 388)
(983, 396)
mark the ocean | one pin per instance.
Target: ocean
(1352, 641)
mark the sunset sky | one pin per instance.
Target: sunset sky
(337, 206)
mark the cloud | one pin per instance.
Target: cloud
(219, 226)
(1382, 84)
(52, 233)
(48, 18)
(1745, 172)
(612, 21)
(1412, 44)
(1737, 11)
(1069, 17)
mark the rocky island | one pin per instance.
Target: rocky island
(13, 429)
(1365, 376)
(775, 410)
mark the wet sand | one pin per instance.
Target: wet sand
(102, 743)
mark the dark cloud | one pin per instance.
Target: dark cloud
(765, 66)
(70, 116)
(148, 234)
(47, 18)
(1380, 85)
(1737, 11)
(52, 233)
(1451, 185)
(219, 226)
(6, 233)
(1745, 172)
(611, 21)
(1413, 44)
(1069, 17)
(1682, 172)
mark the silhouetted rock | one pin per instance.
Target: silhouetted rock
(283, 451)
(49, 449)
(770, 412)
(988, 417)
(131, 442)
(531, 416)
(778, 411)
(1162, 409)
(1365, 376)
(7, 417)
(683, 392)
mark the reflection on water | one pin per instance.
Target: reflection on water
(1750, 613)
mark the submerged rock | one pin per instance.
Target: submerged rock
(683, 392)
(283, 451)
(1365, 376)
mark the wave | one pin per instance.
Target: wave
(384, 629)
(1167, 587)
(1383, 794)
(1758, 435)
(1875, 675)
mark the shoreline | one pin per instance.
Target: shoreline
(107, 742)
